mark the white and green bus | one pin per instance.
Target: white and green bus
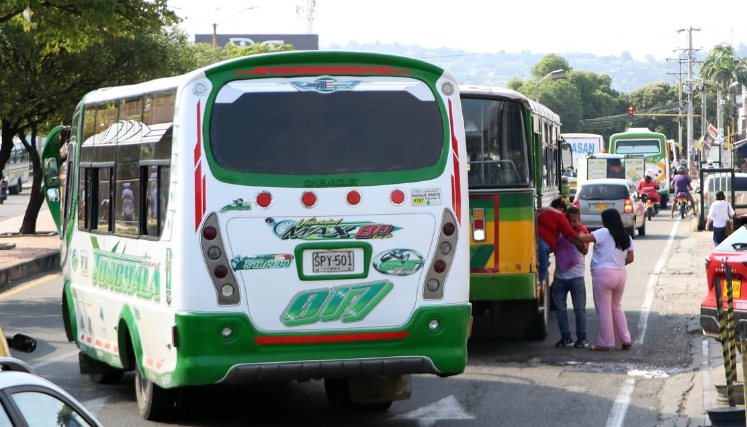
(277, 217)
(18, 170)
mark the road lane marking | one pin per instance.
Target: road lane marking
(55, 359)
(620, 407)
(29, 285)
(652, 280)
(447, 408)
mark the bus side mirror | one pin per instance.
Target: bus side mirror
(51, 173)
(566, 155)
(21, 342)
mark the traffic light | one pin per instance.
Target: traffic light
(631, 111)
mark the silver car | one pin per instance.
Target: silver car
(595, 196)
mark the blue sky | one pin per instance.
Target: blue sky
(641, 27)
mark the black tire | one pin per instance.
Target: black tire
(20, 186)
(153, 402)
(108, 378)
(14, 189)
(649, 214)
(682, 212)
(537, 328)
(642, 230)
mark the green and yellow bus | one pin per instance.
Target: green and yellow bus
(514, 148)
(654, 149)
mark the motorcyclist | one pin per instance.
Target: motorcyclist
(650, 187)
(681, 184)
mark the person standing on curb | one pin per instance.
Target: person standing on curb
(572, 280)
(719, 213)
(613, 250)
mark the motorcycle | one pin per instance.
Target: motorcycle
(682, 204)
(652, 208)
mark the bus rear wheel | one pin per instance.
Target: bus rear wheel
(16, 189)
(153, 402)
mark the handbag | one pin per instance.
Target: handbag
(565, 256)
(729, 227)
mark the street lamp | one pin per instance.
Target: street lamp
(552, 73)
(215, 26)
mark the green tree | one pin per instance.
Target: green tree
(41, 87)
(76, 24)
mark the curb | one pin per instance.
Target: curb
(24, 268)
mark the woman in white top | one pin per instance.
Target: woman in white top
(613, 250)
(719, 212)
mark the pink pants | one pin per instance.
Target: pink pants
(609, 285)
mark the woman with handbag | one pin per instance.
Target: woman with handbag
(720, 214)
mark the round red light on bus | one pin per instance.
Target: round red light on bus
(397, 197)
(221, 271)
(308, 199)
(264, 199)
(353, 197)
(209, 233)
(439, 266)
(449, 229)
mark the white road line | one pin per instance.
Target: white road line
(617, 415)
(55, 359)
(646, 308)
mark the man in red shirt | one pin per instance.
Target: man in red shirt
(551, 223)
(651, 187)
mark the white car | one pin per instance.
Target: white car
(595, 196)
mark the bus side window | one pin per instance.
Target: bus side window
(103, 177)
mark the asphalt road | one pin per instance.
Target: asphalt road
(506, 382)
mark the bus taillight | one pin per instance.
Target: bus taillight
(308, 199)
(353, 197)
(447, 241)
(478, 224)
(397, 197)
(264, 199)
(214, 254)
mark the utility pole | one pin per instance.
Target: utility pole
(680, 61)
(690, 89)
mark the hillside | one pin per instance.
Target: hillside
(496, 69)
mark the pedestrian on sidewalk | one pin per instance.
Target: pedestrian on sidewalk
(719, 214)
(613, 250)
(571, 281)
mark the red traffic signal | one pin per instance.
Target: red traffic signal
(631, 111)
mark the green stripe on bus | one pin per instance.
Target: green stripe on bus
(502, 287)
(525, 213)
(205, 356)
(516, 200)
(479, 255)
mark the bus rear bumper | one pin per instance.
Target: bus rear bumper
(434, 341)
(287, 371)
(502, 287)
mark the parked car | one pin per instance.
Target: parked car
(26, 399)
(734, 249)
(719, 181)
(595, 196)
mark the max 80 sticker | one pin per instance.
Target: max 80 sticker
(344, 303)
(330, 229)
(398, 262)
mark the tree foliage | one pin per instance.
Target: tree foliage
(77, 24)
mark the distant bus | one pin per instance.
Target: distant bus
(290, 216)
(654, 149)
(18, 168)
(514, 169)
(582, 144)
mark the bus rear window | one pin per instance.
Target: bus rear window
(287, 131)
(637, 146)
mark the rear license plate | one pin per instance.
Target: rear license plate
(736, 288)
(601, 206)
(332, 261)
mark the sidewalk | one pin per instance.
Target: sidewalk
(20, 255)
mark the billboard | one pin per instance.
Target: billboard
(299, 41)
